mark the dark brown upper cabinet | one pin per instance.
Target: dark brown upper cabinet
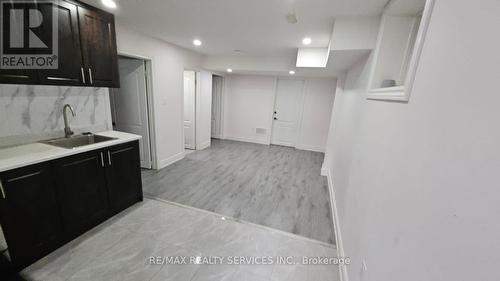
(70, 70)
(87, 53)
(98, 44)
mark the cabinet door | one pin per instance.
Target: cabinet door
(81, 189)
(70, 68)
(15, 76)
(98, 41)
(123, 175)
(29, 214)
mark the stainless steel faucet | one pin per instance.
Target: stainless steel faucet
(67, 129)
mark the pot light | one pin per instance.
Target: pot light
(229, 70)
(291, 72)
(109, 3)
(197, 42)
(306, 41)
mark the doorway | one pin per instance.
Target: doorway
(130, 103)
(189, 109)
(217, 107)
(289, 94)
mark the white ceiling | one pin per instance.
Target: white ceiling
(256, 27)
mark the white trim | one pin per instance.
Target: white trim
(336, 226)
(403, 92)
(271, 120)
(203, 145)
(171, 160)
(197, 109)
(247, 140)
(148, 62)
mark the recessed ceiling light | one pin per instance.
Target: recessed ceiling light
(306, 41)
(229, 70)
(197, 42)
(109, 3)
(291, 72)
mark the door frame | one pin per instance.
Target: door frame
(221, 105)
(197, 106)
(148, 62)
(300, 108)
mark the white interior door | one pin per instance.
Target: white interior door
(216, 128)
(189, 109)
(287, 112)
(130, 106)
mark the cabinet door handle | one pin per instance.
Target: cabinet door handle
(109, 158)
(102, 160)
(90, 76)
(83, 75)
(1, 189)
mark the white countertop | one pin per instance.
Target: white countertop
(28, 154)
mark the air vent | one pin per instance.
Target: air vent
(260, 131)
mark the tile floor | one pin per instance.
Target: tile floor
(121, 249)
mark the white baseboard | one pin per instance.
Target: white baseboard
(203, 145)
(310, 148)
(171, 160)
(336, 226)
(247, 140)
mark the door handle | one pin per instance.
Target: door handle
(275, 118)
(83, 75)
(90, 76)
(102, 160)
(109, 158)
(1, 189)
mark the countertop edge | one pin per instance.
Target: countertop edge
(54, 152)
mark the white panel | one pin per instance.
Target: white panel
(130, 105)
(312, 57)
(287, 112)
(355, 33)
(249, 105)
(189, 109)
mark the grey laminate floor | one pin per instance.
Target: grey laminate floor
(275, 186)
(122, 249)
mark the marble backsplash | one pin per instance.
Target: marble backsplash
(31, 113)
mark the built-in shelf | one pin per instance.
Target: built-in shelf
(399, 44)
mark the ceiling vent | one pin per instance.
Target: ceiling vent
(291, 18)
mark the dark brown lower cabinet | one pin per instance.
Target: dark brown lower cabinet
(81, 190)
(45, 205)
(30, 216)
(123, 176)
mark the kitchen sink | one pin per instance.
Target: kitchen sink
(77, 141)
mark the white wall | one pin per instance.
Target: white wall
(316, 111)
(168, 63)
(417, 184)
(355, 33)
(249, 104)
